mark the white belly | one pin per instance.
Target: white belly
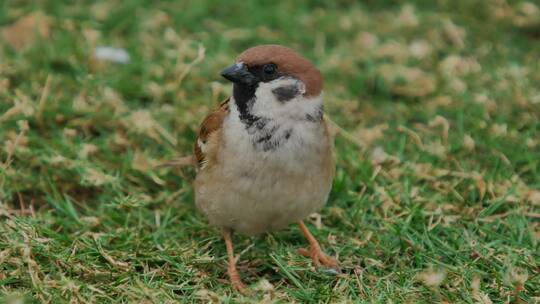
(257, 203)
(254, 191)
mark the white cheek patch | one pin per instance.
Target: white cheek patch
(268, 104)
(264, 90)
(288, 92)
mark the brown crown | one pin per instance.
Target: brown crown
(288, 62)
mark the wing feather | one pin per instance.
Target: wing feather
(210, 125)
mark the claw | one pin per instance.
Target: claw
(315, 252)
(320, 258)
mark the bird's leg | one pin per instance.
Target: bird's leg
(315, 252)
(234, 276)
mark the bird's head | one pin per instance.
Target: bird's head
(269, 77)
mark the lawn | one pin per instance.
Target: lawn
(436, 197)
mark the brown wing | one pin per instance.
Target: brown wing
(210, 125)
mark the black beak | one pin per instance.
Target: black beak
(239, 74)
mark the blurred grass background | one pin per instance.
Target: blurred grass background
(437, 192)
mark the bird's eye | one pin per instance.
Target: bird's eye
(269, 69)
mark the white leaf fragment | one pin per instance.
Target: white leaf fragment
(107, 53)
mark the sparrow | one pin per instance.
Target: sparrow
(265, 156)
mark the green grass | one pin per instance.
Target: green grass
(85, 216)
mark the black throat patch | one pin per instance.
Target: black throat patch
(265, 134)
(244, 97)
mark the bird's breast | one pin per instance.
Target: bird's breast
(266, 175)
(271, 146)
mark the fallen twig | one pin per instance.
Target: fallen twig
(183, 161)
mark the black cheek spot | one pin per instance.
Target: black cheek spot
(286, 93)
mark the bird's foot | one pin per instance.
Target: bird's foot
(236, 281)
(320, 258)
(234, 276)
